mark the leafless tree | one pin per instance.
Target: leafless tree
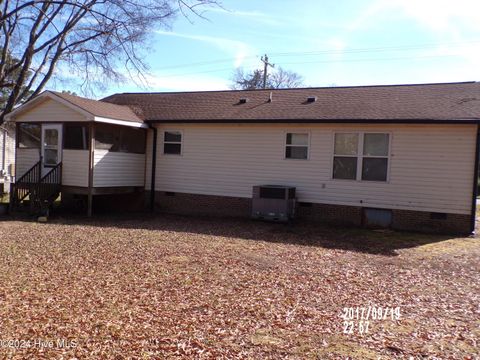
(247, 81)
(285, 79)
(97, 41)
(277, 79)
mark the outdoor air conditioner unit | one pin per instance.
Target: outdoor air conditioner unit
(273, 202)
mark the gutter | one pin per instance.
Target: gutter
(475, 183)
(154, 167)
(315, 121)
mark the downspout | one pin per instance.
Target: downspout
(154, 166)
(475, 182)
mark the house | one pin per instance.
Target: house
(404, 153)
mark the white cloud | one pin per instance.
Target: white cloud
(438, 15)
(366, 15)
(238, 49)
(160, 82)
(442, 15)
(453, 23)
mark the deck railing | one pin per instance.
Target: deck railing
(42, 191)
(24, 184)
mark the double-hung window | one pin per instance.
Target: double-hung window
(361, 156)
(296, 146)
(172, 142)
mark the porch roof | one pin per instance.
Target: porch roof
(93, 110)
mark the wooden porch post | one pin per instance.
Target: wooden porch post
(90, 171)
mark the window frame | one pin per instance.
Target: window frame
(172, 142)
(360, 156)
(285, 145)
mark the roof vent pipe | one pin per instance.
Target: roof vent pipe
(311, 99)
(270, 97)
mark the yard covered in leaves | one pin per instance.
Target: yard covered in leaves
(167, 287)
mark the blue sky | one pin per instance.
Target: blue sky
(345, 42)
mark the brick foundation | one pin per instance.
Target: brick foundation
(130, 202)
(423, 221)
(193, 204)
(331, 214)
(223, 206)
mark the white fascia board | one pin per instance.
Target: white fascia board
(119, 122)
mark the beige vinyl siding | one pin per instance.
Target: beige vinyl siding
(118, 169)
(26, 158)
(430, 167)
(75, 168)
(50, 111)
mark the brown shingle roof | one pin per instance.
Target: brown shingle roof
(423, 102)
(100, 108)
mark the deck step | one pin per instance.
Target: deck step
(34, 192)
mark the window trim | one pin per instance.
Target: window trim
(360, 156)
(172, 142)
(285, 133)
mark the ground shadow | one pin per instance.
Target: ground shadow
(380, 242)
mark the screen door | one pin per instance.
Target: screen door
(51, 146)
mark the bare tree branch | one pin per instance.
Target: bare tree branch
(41, 40)
(279, 79)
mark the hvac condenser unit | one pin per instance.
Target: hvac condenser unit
(273, 202)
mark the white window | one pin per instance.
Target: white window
(361, 156)
(172, 142)
(296, 146)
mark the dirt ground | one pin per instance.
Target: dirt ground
(178, 287)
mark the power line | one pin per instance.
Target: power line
(329, 52)
(323, 62)
(377, 49)
(370, 59)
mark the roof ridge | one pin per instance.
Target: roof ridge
(294, 89)
(66, 97)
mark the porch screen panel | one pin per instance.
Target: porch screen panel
(120, 139)
(29, 136)
(76, 137)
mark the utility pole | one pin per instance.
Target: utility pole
(266, 64)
